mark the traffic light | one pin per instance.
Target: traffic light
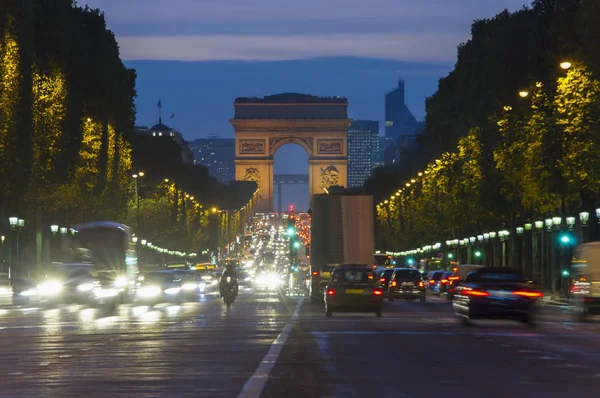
(565, 239)
(410, 261)
(450, 255)
(565, 272)
(291, 231)
(477, 254)
(296, 245)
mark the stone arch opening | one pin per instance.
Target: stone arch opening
(317, 124)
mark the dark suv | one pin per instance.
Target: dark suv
(407, 283)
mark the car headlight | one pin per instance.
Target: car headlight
(149, 291)
(247, 279)
(30, 292)
(50, 288)
(172, 290)
(189, 286)
(121, 281)
(85, 287)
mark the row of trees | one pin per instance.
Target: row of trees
(510, 135)
(67, 148)
(66, 110)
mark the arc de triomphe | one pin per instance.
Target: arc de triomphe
(317, 124)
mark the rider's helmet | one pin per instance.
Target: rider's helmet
(229, 267)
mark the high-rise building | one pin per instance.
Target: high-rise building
(400, 123)
(363, 151)
(217, 154)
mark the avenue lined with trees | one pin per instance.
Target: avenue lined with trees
(511, 137)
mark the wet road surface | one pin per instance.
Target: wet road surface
(202, 350)
(196, 349)
(420, 350)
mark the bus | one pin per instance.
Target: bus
(383, 261)
(109, 247)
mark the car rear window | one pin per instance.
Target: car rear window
(407, 273)
(437, 276)
(495, 277)
(353, 276)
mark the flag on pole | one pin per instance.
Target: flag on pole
(172, 116)
(159, 104)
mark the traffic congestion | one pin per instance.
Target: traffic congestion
(176, 314)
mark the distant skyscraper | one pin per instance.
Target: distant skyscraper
(363, 151)
(400, 124)
(217, 154)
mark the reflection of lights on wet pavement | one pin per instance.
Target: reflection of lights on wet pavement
(150, 316)
(173, 310)
(107, 321)
(87, 314)
(139, 311)
(51, 321)
(3, 312)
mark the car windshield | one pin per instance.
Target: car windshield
(407, 273)
(158, 277)
(352, 276)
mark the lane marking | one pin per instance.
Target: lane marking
(256, 383)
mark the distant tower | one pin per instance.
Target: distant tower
(399, 120)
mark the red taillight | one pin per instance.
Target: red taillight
(377, 292)
(444, 281)
(528, 293)
(394, 283)
(431, 282)
(330, 292)
(382, 280)
(315, 273)
(475, 293)
(453, 278)
(421, 284)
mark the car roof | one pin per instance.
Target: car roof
(354, 266)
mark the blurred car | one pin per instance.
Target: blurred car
(496, 293)
(191, 284)
(445, 282)
(243, 276)
(459, 275)
(384, 277)
(407, 283)
(353, 288)
(160, 286)
(434, 279)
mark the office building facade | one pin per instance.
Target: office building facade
(363, 151)
(216, 154)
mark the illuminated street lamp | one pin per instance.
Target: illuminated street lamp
(63, 230)
(54, 229)
(12, 221)
(523, 93)
(565, 64)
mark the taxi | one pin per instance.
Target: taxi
(353, 288)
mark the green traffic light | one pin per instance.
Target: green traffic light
(291, 231)
(565, 239)
(565, 272)
(296, 244)
(450, 255)
(477, 253)
(410, 261)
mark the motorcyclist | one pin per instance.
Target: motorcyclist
(228, 273)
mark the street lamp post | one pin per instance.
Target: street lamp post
(16, 225)
(137, 199)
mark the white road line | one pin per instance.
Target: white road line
(256, 383)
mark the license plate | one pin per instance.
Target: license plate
(355, 291)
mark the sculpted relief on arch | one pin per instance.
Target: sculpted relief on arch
(252, 174)
(330, 176)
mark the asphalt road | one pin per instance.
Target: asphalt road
(421, 350)
(203, 350)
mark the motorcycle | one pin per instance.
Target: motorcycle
(230, 292)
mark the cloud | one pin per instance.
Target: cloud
(417, 48)
(189, 30)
